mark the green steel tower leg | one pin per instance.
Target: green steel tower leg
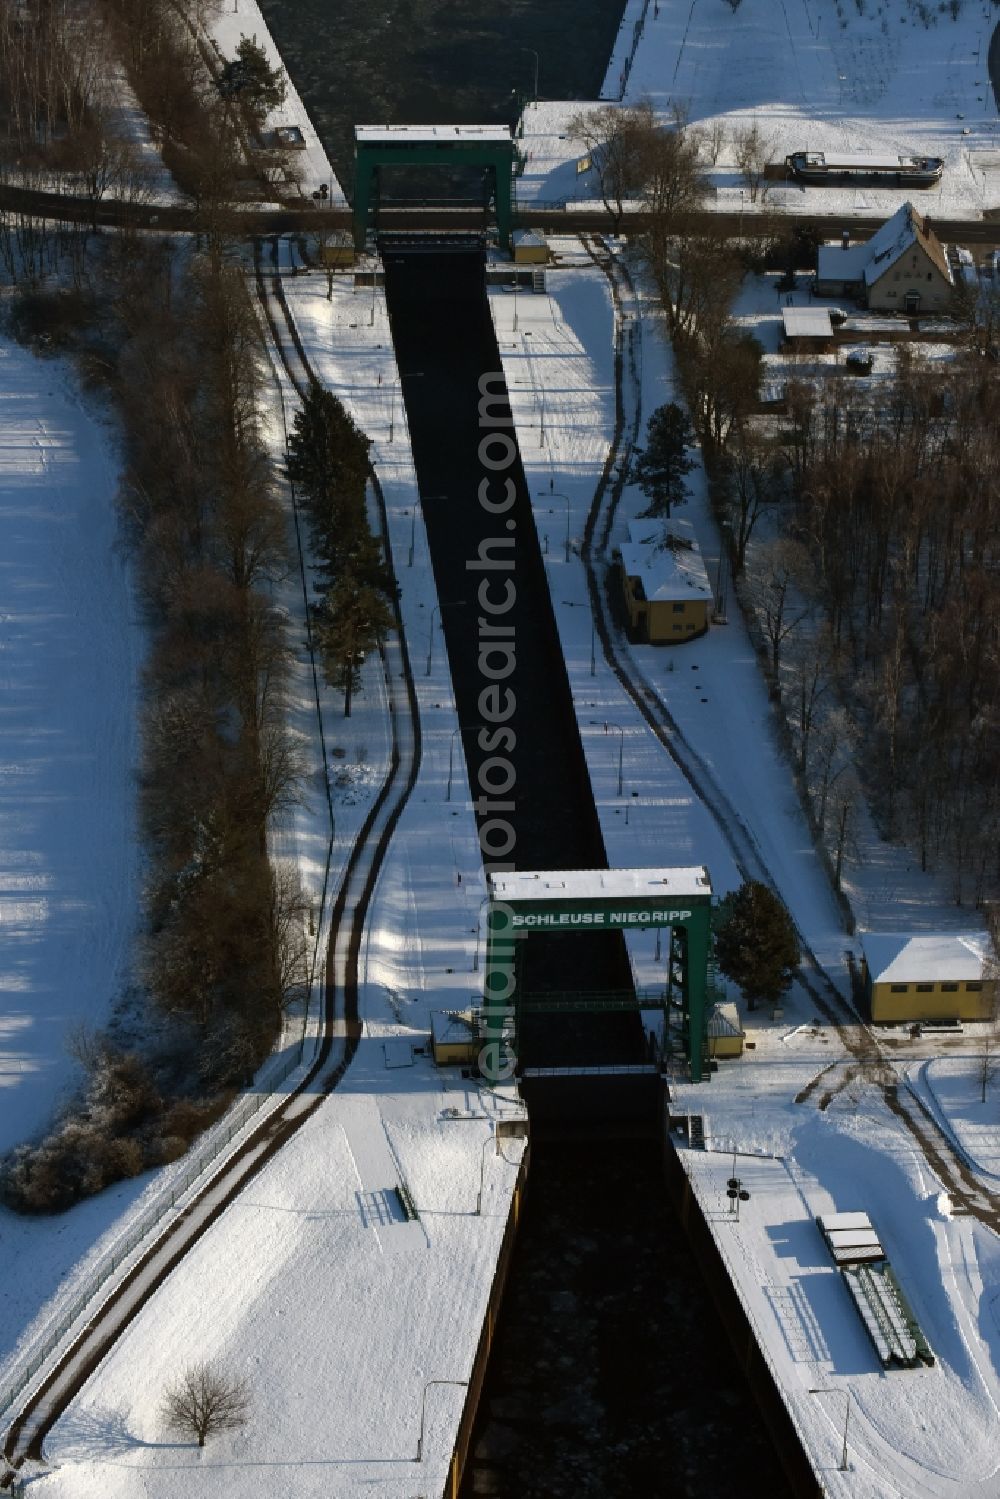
(497, 1061)
(504, 173)
(362, 194)
(696, 975)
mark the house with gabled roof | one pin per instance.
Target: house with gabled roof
(664, 582)
(902, 268)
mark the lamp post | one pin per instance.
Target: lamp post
(482, 1173)
(572, 604)
(847, 1416)
(430, 639)
(557, 496)
(463, 1384)
(451, 754)
(535, 56)
(606, 724)
(413, 532)
(448, 604)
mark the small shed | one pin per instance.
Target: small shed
(664, 583)
(530, 247)
(337, 251)
(944, 976)
(725, 1034)
(807, 328)
(455, 1038)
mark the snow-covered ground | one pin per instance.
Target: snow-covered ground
(961, 1091)
(70, 649)
(911, 1432)
(319, 1241)
(868, 75)
(559, 366)
(914, 1433)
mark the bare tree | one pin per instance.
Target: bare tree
(752, 150)
(206, 1399)
(291, 912)
(617, 137)
(753, 486)
(715, 138)
(779, 583)
(986, 1067)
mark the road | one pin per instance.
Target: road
(257, 222)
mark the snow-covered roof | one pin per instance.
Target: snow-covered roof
(861, 161)
(667, 573)
(453, 1027)
(807, 322)
(724, 1021)
(528, 237)
(870, 261)
(600, 884)
(414, 134)
(840, 263)
(900, 957)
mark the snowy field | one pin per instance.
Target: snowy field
(953, 1088)
(70, 649)
(859, 75)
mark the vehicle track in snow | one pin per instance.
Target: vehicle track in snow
(970, 1195)
(341, 1030)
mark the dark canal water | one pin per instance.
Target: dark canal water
(423, 62)
(611, 1376)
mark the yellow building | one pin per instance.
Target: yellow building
(455, 1038)
(725, 1034)
(338, 250)
(665, 586)
(530, 247)
(947, 976)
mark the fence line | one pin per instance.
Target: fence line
(637, 30)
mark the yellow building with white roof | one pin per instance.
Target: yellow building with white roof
(664, 582)
(944, 976)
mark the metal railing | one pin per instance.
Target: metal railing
(637, 29)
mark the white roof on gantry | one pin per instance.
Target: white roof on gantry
(601, 884)
(414, 134)
(899, 957)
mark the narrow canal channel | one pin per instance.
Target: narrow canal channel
(611, 1375)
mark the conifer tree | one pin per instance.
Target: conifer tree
(755, 943)
(660, 468)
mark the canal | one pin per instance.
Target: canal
(611, 1375)
(422, 62)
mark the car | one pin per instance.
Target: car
(993, 264)
(860, 361)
